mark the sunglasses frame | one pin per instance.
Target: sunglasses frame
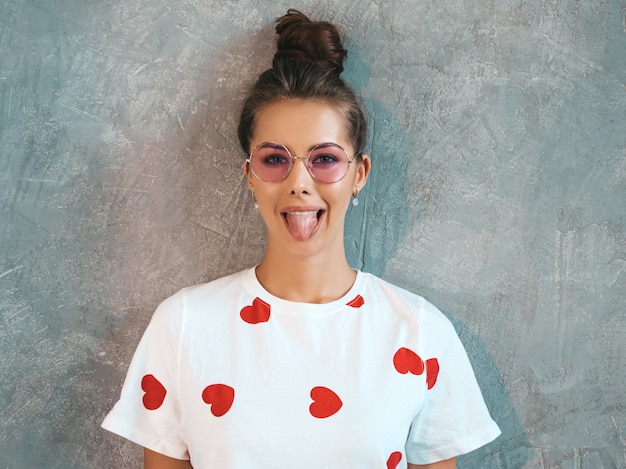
(305, 160)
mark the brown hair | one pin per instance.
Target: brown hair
(307, 65)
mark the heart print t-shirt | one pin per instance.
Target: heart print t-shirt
(231, 377)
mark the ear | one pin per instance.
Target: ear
(362, 172)
(248, 174)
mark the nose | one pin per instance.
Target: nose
(300, 180)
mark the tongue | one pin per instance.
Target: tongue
(301, 224)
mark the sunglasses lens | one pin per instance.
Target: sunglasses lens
(328, 163)
(270, 162)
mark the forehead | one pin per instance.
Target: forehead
(300, 124)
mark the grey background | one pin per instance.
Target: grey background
(499, 191)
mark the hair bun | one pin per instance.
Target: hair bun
(303, 40)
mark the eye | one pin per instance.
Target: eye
(324, 158)
(272, 155)
(275, 159)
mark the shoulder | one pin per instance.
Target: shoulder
(406, 303)
(202, 297)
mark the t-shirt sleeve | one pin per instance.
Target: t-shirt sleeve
(453, 419)
(148, 411)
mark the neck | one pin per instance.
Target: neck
(308, 279)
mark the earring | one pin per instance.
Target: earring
(355, 199)
(256, 206)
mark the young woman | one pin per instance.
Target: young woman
(301, 362)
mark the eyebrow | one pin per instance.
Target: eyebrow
(310, 149)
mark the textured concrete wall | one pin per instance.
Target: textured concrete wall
(499, 193)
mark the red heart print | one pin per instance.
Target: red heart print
(357, 302)
(258, 312)
(406, 361)
(432, 371)
(154, 392)
(220, 397)
(325, 402)
(394, 460)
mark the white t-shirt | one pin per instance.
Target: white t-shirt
(230, 376)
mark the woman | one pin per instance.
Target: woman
(301, 362)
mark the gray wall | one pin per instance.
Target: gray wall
(499, 193)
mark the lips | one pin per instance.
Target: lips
(302, 222)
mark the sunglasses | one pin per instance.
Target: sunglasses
(326, 162)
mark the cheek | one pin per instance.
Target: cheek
(266, 201)
(341, 196)
(266, 213)
(350, 184)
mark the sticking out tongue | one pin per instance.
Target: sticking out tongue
(301, 225)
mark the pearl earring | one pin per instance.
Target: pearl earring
(355, 199)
